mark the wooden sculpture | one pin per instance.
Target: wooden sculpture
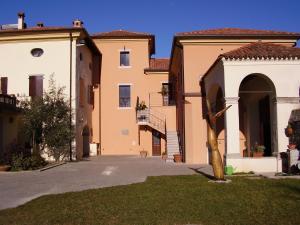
(216, 159)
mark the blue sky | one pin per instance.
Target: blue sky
(161, 17)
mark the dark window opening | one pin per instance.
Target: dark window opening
(124, 58)
(124, 96)
(37, 52)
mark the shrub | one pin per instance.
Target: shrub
(21, 162)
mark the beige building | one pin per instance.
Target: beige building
(195, 53)
(30, 55)
(129, 78)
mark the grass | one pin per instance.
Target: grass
(168, 200)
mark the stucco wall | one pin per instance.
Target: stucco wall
(285, 76)
(119, 130)
(18, 64)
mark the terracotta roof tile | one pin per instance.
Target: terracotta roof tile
(236, 32)
(125, 34)
(37, 29)
(121, 33)
(262, 50)
(158, 64)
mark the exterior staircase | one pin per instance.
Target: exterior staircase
(152, 118)
(172, 145)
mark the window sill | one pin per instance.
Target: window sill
(124, 107)
(124, 67)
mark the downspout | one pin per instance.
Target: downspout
(183, 108)
(70, 94)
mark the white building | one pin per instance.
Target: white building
(261, 81)
(30, 55)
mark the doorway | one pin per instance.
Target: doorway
(257, 112)
(86, 141)
(156, 143)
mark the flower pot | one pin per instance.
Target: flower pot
(257, 154)
(143, 154)
(292, 146)
(5, 167)
(177, 158)
(164, 157)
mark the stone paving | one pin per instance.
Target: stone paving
(17, 188)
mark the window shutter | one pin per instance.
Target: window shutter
(81, 91)
(4, 85)
(91, 95)
(32, 86)
(96, 69)
(36, 86)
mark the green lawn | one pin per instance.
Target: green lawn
(168, 200)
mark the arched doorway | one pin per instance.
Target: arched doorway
(257, 112)
(85, 141)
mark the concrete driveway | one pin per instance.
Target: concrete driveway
(17, 188)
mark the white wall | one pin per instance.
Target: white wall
(18, 64)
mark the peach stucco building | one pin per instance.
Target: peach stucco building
(195, 53)
(129, 78)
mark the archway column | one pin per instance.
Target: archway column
(232, 134)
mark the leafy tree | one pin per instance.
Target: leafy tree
(47, 122)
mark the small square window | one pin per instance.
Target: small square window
(124, 58)
(124, 96)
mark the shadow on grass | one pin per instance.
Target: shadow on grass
(207, 175)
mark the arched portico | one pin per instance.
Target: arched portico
(257, 113)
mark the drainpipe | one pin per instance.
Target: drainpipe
(70, 94)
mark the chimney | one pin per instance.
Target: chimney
(40, 24)
(77, 23)
(21, 23)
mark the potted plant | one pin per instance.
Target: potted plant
(165, 95)
(258, 151)
(143, 153)
(289, 130)
(177, 158)
(164, 156)
(4, 166)
(141, 106)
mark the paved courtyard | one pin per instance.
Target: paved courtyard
(17, 188)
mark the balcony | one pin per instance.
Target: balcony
(7, 101)
(152, 118)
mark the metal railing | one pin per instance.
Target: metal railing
(152, 118)
(7, 100)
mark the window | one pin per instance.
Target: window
(3, 83)
(36, 86)
(90, 95)
(165, 91)
(124, 58)
(124, 96)
(37, 52)
(81, 92)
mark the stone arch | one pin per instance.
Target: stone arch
(257, 112)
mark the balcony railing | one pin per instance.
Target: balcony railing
(152, 118)
(8, 101)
